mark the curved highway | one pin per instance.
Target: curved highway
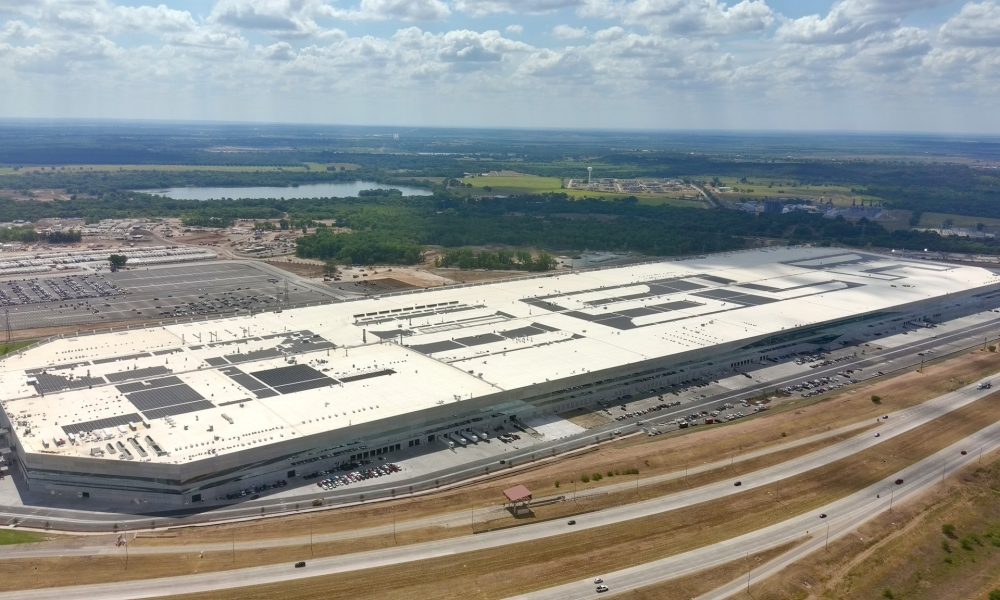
(845, 515)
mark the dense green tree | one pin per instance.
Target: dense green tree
(117, 262)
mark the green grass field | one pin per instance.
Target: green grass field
(534, 184)
(516, 184)
(841, 195)
(8, 347)
(10, 536)
(930, 219)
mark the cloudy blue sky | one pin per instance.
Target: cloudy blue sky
(884, 65)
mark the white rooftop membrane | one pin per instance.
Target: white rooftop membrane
(363, 361)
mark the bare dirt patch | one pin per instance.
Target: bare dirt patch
(417, 277)
(392, 283)
(585, 418)
(463, 276)
(302, 269)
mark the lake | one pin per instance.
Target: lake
(309, 190)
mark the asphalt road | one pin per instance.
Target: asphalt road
(845, 516)
(898, 423)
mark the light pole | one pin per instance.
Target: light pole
(827, 546)
(891, 492)
(748, 572)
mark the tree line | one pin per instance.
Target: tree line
(519, 260)
(27, 234)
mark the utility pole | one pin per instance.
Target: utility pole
(827, 548)
(748, 572)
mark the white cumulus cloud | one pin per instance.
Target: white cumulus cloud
(481, 8)
(977, 24)
(568, 32)
(850, 20)
(685, 17)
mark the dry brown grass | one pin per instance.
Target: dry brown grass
(298, 268)
(588, 419)
(302, 526)
(903, 551)
(462, 276)
(651, 455)
(703, 582)
(577, 505)
(523, 567)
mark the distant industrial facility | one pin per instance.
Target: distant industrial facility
(184, 414)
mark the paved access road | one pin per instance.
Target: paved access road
(449, 519)
(845, 515)
(898, 423)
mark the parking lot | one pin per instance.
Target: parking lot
(181, 291)
(21, 292)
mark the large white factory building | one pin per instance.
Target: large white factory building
(187, 413)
